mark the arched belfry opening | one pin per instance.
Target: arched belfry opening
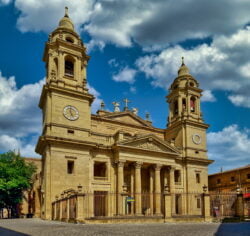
(176, 107)
(69, 66)
(192, 104)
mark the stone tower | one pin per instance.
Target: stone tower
(66, 106)
(186, 128)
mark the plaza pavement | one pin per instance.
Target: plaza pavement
(37, 227)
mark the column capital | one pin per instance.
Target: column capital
(120, 163)
(157, 167)
(138, 165)
(171, 168)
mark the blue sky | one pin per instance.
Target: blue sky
(136, 48)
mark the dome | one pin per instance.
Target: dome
(66, 22)
(183, 69)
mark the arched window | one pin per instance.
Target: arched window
(69, 67)
(192, 104)
(176, 107)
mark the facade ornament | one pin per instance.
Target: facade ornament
(135, 110)
(53, 74)
(158, 167)
(147, 116)
(126, 101)
(102, 106)
(116, 106)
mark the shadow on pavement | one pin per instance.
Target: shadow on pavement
(233, 229)
(8, 232)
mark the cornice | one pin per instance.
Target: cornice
(99, 118)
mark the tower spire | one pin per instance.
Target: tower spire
(66, 12)
(182, 61)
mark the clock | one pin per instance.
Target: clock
(71, 113)
(196, 138)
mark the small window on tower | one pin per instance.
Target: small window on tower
(191, 84)
(198, 203)
(70, 167)
(198, 179)
(69, 67)
(69, 40)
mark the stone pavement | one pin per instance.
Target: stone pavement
(37, 227)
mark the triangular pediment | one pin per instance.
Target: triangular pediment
(149, 143)
(128, 118)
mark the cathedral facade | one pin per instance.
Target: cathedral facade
(120, 163)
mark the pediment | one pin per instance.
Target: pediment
(149, 143)
(127, 117)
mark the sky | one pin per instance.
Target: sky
(136, 48)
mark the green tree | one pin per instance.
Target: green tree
(15, 177)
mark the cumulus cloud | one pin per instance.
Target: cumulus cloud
(147, 22)
(217, 66)
(5, 2)
(44, 15)
(20, 117)
(229, 147)
(207, 96)
(126, 74)
(96, 104)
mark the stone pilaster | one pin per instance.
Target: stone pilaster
(151, 190)
(120, 181)
(157, 189)
(138, 210)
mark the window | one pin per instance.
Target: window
(69, 67)
(198, 203)
(99, 169)
(70, 167)
(248, 176)
(218, 181)
(198, 178)
(232, 178)
(192, 104)
(177, 176)
(70, 131)
(191, 84)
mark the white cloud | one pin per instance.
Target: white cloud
(20, 117)
(44, 15)
(240, 100)
(5, 2)
(229, 147)
(217, 66)
(147, 22)
(207, 96)
(96, 104)
(125, 75)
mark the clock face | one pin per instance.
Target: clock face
(71, 113)
(196, 138)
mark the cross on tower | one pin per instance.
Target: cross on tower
(126, 101)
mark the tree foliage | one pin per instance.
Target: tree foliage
(15, 177)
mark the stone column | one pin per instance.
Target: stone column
(167, 201)
(138, 210)
(179, 105)
(239, 205)
(151, 190)
(157, 189)
(172, 186)
(206, 207)
(120, 180)
(132, 187)
(68, 209)
(80, 207)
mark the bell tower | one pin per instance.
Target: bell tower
(66, 107)
(186, 127)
